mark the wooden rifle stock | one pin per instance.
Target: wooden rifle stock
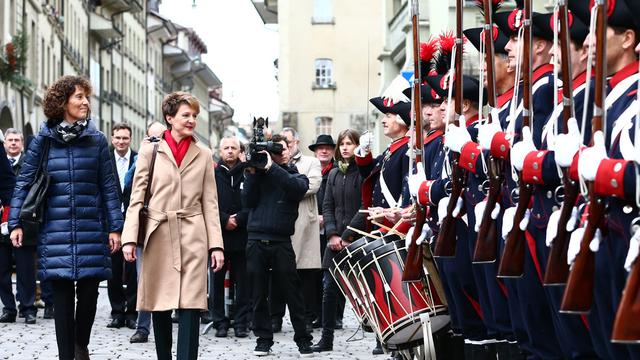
(413, 263)
(487, 240)
(626, 327)
(578, 295)
(512, 261)
(446, 240)
(557, 269)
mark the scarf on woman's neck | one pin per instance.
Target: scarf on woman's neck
(69, 131)
(179, 150)
(343, 166)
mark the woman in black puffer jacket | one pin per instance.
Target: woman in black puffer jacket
(82, 218)
(341, 202)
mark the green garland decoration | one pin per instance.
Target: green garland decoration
(13, 61)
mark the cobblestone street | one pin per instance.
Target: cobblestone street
(21, 342)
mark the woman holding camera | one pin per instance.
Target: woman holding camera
(82, 218)
(182, 227)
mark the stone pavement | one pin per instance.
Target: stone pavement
(19, 341)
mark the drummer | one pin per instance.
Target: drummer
(384, 190)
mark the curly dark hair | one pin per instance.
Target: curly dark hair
(171, 103)
(58, 95)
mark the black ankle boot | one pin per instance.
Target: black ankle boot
(325, 344)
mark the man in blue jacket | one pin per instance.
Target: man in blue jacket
(272, 195)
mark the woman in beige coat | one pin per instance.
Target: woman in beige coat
(183, 227)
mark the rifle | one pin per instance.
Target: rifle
(626, 328)
(512, 261)
(446, 241)
(487, 239)
(578, 295)
(557, 268)
(413, 262)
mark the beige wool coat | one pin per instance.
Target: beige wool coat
(183, 226)
(306, 239)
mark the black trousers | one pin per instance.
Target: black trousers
(74, 321)
(332, 305)
(188, 334)
(310, 295)
(278, 256)
(123, 301)
(236, 261)
(26, 278)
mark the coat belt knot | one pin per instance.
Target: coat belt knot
(173, 217)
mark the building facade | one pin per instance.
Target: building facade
(327, 65)
(124, 47)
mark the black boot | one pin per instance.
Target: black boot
(479, 352)
(378, 349)
(325, 344)
(509, 351)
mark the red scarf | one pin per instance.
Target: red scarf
(179, 150)
(327, 168)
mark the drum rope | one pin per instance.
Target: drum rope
(427, 335)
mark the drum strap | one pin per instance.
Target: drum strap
(427, 335)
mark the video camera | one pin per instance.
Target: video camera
(259, 143)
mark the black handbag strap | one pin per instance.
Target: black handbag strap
(44, 157)
(147, 193)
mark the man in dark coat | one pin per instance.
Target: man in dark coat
(233, 219)
(123, 302)
(7, 182)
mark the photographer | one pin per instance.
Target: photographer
(272, 192)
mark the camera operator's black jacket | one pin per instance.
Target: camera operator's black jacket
(272, 198)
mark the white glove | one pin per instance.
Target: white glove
(594, 245)
(415, 180)
(442, 208)
(573, 220)
(522, 149)
(552, 227)
(567, 145)
(456, 137)
(426, 233)
(479, 211)
(4, 227)
(486, 133)
(525, 220)
(366, 140)
(592, 157)
(507, 221)
(496, 211)
(574, 245)
(458, 208)
(634, 249)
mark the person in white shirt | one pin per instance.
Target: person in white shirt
(123, 301)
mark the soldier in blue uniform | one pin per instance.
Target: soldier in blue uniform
(611, 175)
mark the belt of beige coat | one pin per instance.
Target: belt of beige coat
(174, 227)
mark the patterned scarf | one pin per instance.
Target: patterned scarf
(343, 166)
(70, 131)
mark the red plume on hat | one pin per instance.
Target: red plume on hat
(443, 59)
(427, 53)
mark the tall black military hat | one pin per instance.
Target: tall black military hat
(387, 106)
(476, 37)
(427, 94)
(511, 22)
(634, 7)
(578, 31)
(618, 13)
(470, 87)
